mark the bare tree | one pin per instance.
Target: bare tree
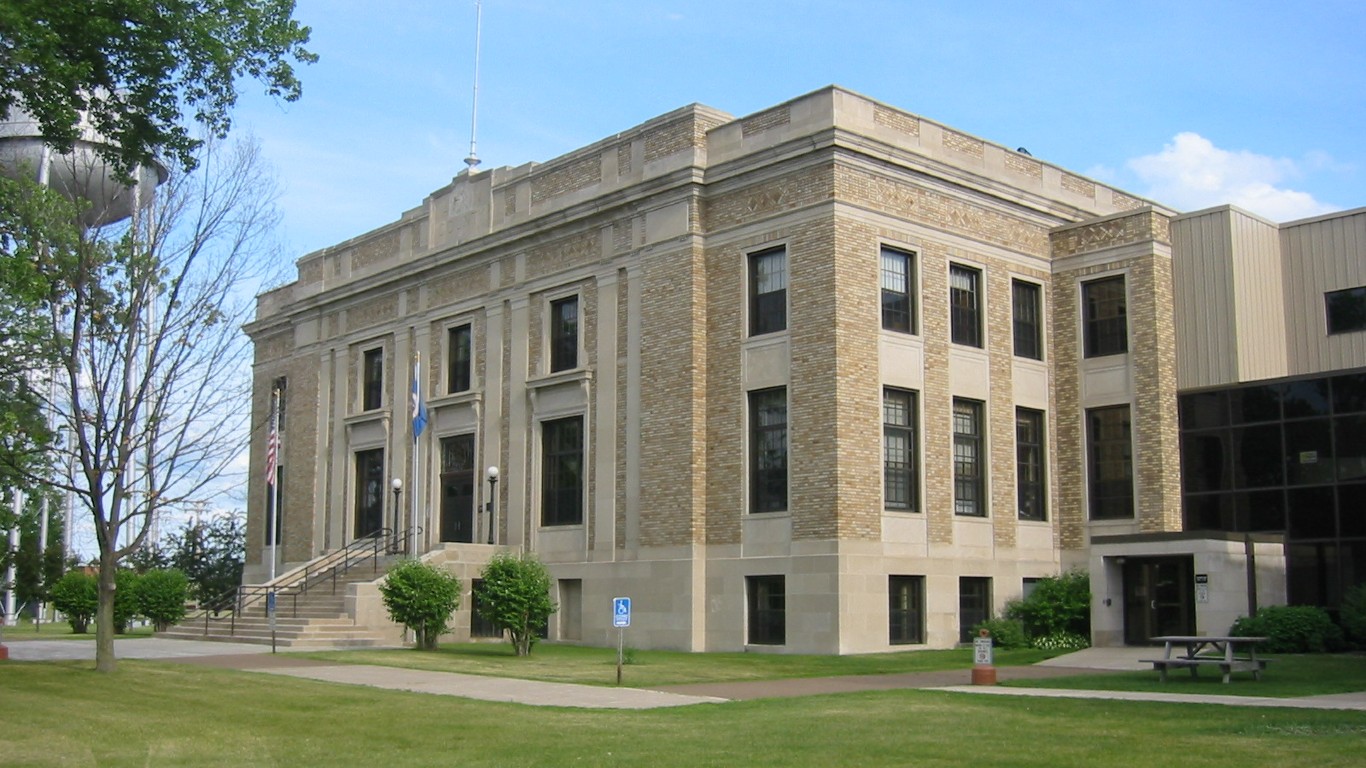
(154, 372)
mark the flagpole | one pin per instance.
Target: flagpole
(272, 461)
(418, 423)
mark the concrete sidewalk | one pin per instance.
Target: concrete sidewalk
(257, 658)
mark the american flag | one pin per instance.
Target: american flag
(273, 440)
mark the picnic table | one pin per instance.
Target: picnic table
(1229, 654)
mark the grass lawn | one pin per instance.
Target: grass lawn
(597, 666)
(59, 631)
(158, 713)
(1286, 675)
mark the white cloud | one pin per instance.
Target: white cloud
(1191, 173)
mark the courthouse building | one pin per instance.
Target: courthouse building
(829, 378)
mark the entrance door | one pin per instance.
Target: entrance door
(369, 518)
(1159, 598)
(457, 489)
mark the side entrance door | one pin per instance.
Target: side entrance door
(1159, 598)
(457, 489)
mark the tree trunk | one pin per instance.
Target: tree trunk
(104, 616)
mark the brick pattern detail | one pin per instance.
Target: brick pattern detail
(1069, 446)
(621, 236)
(765, 199)
(1124, 202)
(622, 393)
(1157, 437)
(939, 210)
(1000, 405)
(1025, 166)
(1083, 187)
(510, 202)
(670, 139)
(623, 159)
(577, 250)
(896, 120)
(673, 399)
(311, 271)
(936, 399)
(960, 142)
(726, 427)
(375, 250)
(275, 346)
(573, 176)
(458, 286)
(773, 118)
(376, 311)
(1123, 230)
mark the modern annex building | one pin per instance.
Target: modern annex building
(828, 378)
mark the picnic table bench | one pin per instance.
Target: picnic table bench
(1223, 653)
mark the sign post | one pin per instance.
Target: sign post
(621, 619)
(270, 612)
(983, 670)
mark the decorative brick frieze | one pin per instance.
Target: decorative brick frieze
(802, 188)
(1025, 166)
(376, 311)
(573, 176)
(961, 142)
(1124, 202)
(773, 118)
(458, 286)
(1109, 232)
(375, 250)
(574, 251)
(896, 120)
(1079, 185)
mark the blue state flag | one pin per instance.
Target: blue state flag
(419, 407)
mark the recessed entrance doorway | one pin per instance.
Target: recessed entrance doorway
(1159, 598)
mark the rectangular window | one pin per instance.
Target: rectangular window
(1029, 463)
(965, 306)
(1028, 317)
(1110, 455)
(768, 291)
(974, 605)
(768, 450)
(767, 610)
(905, 610)
(1105, 322)
(564, 334)
(370, 485)
(968, 480)
(1346, 310)
(562, 471)
(372, 389)
(898, 286)
(460, 350)
(900, 452)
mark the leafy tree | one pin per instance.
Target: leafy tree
(422, 598)
(515, 596)
(125, 599)
(76, 595)
(1353, 614)
(1059, 605)
(153, 368)
(210, 553)
(161, 597)
(133, 68)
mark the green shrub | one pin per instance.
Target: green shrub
(1291, 629)
(1353, 614)
(161, 597)
(515, 596)
(1061, 641)
(1058, 605)
(77, 596)
(125, 599)
(422, 598)
(1005, 633)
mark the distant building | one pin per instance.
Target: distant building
(830, 378)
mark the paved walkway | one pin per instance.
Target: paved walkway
(258, 658)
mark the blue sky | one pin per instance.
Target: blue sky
(1191, 103)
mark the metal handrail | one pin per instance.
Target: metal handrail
(235, 602)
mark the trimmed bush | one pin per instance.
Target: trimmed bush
(515, 596)
(1353, 614)
(1058, 605)
(1291, 629)
(422, 598)
(77, 596)
(125, 599)
(1005, 633)
(161, 597)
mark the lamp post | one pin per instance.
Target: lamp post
(397, 485)
(493, 499)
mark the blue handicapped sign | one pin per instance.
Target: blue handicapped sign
(621, 611)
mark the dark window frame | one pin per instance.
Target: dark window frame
(1031, 464)
(1345, 310)
(460, 349)
(768, 481)
(905, 610)
(372, 379)
(1109, 463)
(969, 458)
(562, 471)
(766, 603)
(897, 283)
(768, 291)
(1026, 308)
(974, 604)
(564, 333)
(1105, 316)
(965, 305)
(900, 427)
